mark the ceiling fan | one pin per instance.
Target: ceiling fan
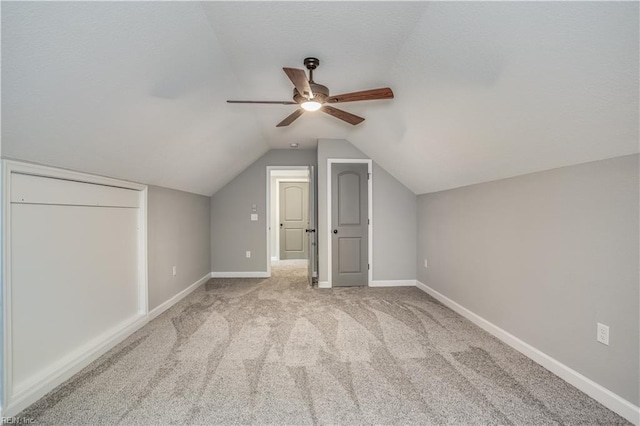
(312, 96)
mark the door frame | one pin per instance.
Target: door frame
(268, 209)
(369, 163)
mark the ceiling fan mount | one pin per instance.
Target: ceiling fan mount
(312, 96)
(311, 63)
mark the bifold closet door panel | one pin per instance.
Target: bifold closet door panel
(75, 277)
(43, 190)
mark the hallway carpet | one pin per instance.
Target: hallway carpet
(274, 351)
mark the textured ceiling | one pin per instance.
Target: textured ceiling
(483, 90)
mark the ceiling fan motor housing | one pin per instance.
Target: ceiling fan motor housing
(320, 93)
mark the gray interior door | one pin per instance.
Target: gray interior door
(311, 227)
(294, 206)
(349, 223)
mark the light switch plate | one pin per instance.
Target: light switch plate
(254, 217)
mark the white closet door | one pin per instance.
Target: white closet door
(75, 271)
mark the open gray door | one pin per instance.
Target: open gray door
(350, 227)
(294, 217)
(311, 228)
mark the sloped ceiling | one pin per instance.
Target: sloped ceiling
(484, 90)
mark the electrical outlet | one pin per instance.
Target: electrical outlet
(175, 271)
(248, 254)
(254, 217)
(425, 263)
(603, 334)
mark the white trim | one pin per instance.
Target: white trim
(601, 394)
(324, 284)
(274, 258)
(143, 268)
(268, 217)
(70, 365)
(369, 162)
(11, 166)
(277, 201)
(251, 274)
(393, 283)
(178, 297)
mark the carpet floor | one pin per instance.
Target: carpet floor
(274, 351)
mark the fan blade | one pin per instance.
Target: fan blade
(365, 95)
(299, 79)
(291, 118)
(342, 115)
(263, 102)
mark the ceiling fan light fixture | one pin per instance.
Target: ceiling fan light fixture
(311, 105)
(311, 96)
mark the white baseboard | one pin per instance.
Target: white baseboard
(250, 274)
(601, 394)
(393, 283)
(323, 284)
(83, 356)
(178, 297)
(70, 365)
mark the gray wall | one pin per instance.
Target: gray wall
(394, 217)
(178, 234)
(232, 232)
(546, 256)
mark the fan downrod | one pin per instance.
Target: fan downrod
(311, 64)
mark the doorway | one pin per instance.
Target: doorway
(350, 239)
(291, 212)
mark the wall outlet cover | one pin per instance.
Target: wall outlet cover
(254, 217)
(603, 334)
(248, 254)
(174, 271)
(425, 263)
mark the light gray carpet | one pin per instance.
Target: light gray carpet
(273, 351)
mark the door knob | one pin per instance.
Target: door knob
(335, 231)
(280, 224)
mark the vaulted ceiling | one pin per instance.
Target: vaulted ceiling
(484, 90)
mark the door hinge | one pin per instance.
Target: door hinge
(368, 221)
(368, 266)
(368, 176)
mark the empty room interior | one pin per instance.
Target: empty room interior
(320, 212)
